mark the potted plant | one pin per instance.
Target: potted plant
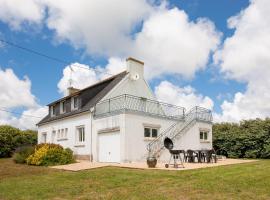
(151, 162)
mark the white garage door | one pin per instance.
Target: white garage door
(109, 147)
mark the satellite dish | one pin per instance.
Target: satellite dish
(135, 77)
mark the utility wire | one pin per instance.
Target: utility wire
(49, 57)
(4, 110)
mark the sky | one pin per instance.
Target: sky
(208, 53)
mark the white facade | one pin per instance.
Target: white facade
(120, 137)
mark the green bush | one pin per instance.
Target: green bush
(50, 154)
(12, 138)
(248, 139)
(22, 153)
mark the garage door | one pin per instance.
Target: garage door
(109, 147)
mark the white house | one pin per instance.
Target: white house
(120, 120)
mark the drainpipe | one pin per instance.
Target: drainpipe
(92, 110)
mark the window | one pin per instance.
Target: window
(63, 107)
(59, 134)
(80, 134)
(66, 132)
(62, 134)
(53, 136)
(150, 132)
(53, 112)
(75, 103)
(44, 138)
(203, 135)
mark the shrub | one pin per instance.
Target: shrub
(248, 139)
(50, 154)
(22, 153)
(12, 138)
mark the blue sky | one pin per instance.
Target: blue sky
(44, 74)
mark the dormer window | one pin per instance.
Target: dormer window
(75, 103)
(63, 107)
(53, 112)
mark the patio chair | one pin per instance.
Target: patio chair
(211, 156)
(190, 156)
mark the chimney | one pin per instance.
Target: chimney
(135, 68)
(72, 90)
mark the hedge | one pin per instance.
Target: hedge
(248, 139)
(11, 138)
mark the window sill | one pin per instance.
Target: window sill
(206, 141)
(79, 145)
(149, 138)
(62, 139)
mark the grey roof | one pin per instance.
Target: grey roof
(89, 97)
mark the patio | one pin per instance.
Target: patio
(84, 165)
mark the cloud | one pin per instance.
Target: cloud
(80, 74)
(168, 41)
(27, 120)
(245, 57)
(161, 35)
(83, 75)
(186, 96)
(102, 27)
(114, 66)
(171, 43)
(17, 12)
(16, 93)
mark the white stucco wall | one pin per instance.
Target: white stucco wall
(135, 143)
(136, 88)
(71, 123)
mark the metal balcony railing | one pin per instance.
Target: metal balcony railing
(138, 104)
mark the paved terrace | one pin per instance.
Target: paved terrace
(84, 165)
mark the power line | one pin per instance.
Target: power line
(4, 110)
(48, 56)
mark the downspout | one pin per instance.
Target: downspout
(92, 110)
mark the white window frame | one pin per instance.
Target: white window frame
(151, 132)
(205, 135)
(66, 133)
(44, 137)
(53, 109)
(62, 109)
(78, 136)
(72, 103)
(54, 136)
(62, 134)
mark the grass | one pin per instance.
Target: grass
(242, 181)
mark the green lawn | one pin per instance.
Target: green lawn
(242, 181)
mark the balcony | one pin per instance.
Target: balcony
(129, 103)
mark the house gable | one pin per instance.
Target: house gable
(132, 85)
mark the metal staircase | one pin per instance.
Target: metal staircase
(195, 114)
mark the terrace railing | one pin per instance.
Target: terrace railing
(195, 114)
(138, 104)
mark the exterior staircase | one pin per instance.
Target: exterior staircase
(156, 146)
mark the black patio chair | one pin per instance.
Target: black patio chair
(190, 156)
(211, 156)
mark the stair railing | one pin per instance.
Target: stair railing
(180, 127)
